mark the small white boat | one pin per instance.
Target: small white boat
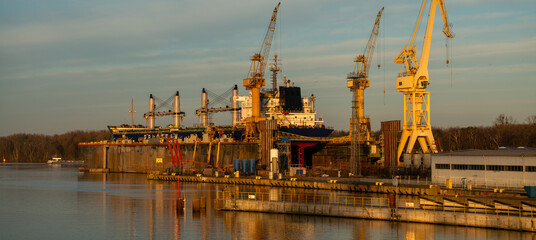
(54, 160)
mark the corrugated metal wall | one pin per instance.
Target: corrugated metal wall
(267, 129)
(390, 131)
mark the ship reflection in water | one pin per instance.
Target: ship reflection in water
(40, 202)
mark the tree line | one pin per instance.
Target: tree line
(505, 132)
(39, 148)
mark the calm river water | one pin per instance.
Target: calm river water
(38, 201)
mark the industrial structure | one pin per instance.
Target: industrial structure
(357, 82)
(208, 107)
(413, 81)
(255, 79)
(263, 117)
(275, 131)
(153, 111)
(279, 129)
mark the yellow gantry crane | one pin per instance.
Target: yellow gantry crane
(413, 81)
(255, 79)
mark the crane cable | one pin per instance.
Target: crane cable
(382, 53)
(448, 47)
(280, 42)
(451, 72)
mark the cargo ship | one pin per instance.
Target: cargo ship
(293, 113)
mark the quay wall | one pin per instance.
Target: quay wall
(426, 190)
(515, 220)
(143, 158)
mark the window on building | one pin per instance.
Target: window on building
(459, 166)
(476, 167)
(514, 168)
(530, 168)
(495, 167)
(442, 166)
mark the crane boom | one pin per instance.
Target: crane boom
(414, 74)
(258, 64)
(265, 49)
(413, 81)
(369, 50)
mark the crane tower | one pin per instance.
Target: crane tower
(255, 79)
(413, 81)
(357, 82)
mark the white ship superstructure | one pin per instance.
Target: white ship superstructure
(287, 107)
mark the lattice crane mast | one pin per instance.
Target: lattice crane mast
(413, 81)
(358, 81)
(255, 78)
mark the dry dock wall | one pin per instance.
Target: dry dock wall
(142, 158)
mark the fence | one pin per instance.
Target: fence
(335, 199)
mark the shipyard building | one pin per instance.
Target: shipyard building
(495, 168)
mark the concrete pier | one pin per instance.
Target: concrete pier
(496, 217)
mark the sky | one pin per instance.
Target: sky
(76, 65)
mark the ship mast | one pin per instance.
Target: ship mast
(132, 111)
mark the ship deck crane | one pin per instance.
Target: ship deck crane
(413, 81)
(357, 82)
(255, 78)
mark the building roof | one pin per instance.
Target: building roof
(501, 152)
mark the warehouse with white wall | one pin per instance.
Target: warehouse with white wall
(491, 168)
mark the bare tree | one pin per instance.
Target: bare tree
(503, 119)
(531, 120)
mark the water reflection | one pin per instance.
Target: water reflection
(39, 202)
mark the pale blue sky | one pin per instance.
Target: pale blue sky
(75, 65)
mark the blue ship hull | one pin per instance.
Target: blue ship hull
(309, 132)
(236, 134)
(137, 134)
